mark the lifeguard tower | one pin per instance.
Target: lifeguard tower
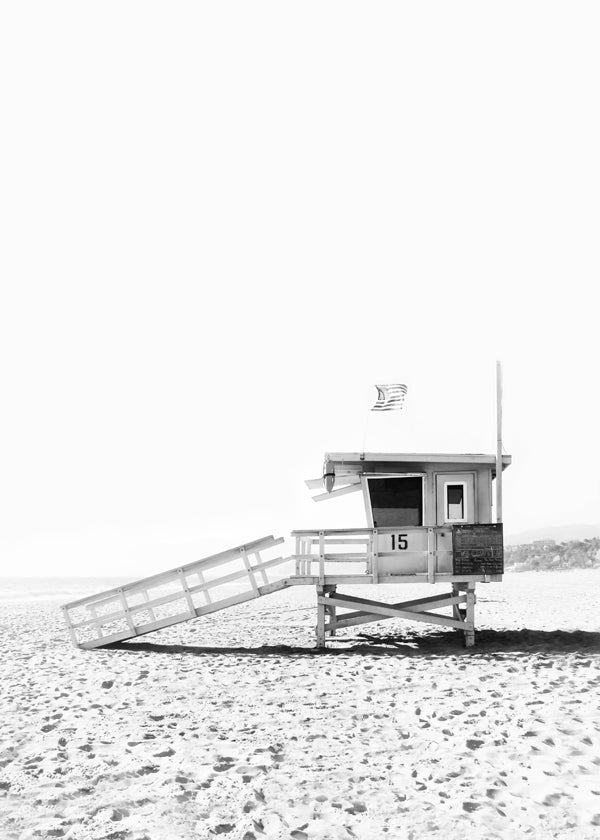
(429, 519)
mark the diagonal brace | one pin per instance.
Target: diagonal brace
(376, 611)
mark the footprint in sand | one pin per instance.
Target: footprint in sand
(223, 828)
(165, 753)
(224, 763)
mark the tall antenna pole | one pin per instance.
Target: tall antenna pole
(498, 442)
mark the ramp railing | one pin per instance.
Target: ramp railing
(168, 598)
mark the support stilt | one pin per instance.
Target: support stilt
(323, 610)
(467, 616)
(470, 618)
(457, 611)
(330, 613)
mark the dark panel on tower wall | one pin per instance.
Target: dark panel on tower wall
(478, 549)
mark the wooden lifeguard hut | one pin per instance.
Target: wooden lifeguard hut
(429, 519)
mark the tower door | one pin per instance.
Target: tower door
(455, 498)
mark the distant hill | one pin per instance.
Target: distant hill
(549, 555)
(559, 533)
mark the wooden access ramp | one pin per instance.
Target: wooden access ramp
(171, 597)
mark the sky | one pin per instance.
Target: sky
(224, 223)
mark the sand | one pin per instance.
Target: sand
(232, 725)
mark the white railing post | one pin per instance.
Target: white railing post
(263, 574)
(72, 632)
(186, 591)
(470, 617)
(127, 611)
(253, 583)
(321, 557)
(430, 557)
(375, 562)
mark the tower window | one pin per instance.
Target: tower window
(396, 501)
(456, 504)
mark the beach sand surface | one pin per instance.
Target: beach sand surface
(234, 725)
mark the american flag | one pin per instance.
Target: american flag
(389, 397)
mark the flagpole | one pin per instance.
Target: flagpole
(498, 442)
(365, 430)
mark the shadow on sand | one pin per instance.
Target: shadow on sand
(488, 643)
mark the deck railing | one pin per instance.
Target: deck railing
(378, 552)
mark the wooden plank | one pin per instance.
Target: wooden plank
(333, 531)
(365, 579)
(127, 614)
(253, 583)
(443, 577)
(107, 640)
(363, 459)
(350, 579)
(470, 618)
(70, 627)
(346, 558)
(431, 601)
(320, 617)
(276, 586)
(374, 559)
(330, 614)
(430, 556)
(321, 557)
(186, 592)
(343, 491)
(207, 595)
(258, 562)
(340, 478)
(370, 550)
(354, 557)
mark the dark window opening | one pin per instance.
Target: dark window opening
(456, 501)
(396, 501)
